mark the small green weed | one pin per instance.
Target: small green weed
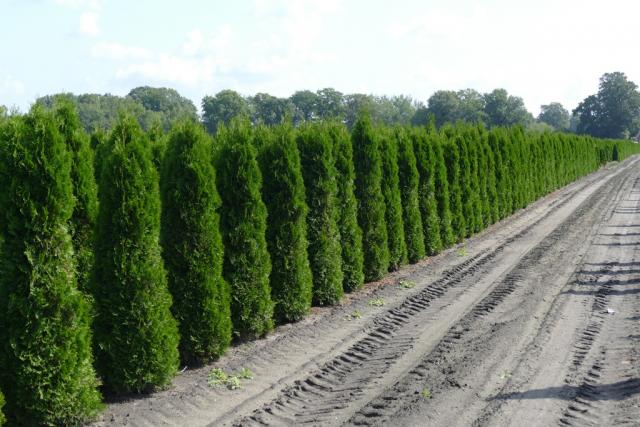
(219, 378)
(407, 284)
(353, 316)
(426, 393)
(462, 252)
(376, 302)
(505, 374)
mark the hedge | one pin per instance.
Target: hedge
(192, 246)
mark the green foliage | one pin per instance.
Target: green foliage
(393, 202)
(158, 144)
(432, 225)
(614, 112)
(148, 105)
(443, 196)
(192, 246)
(136, 337)
(409, 181)
(284, 195)
(45, 339)
(222, 108)
(243, 224)
(469, 179)
(167, 104)
(555, 115)
(452, 160)
(350, 232)
(2, 417)
(85, 190)
(371, 206)
(318, 170)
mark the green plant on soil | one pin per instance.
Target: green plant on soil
(47, 373)
(318, 171)
(243, 224)
(284, 195)
(192, 246)
(136, 336)
(376, 302)
(371, 205)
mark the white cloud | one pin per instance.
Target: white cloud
(89, 24)
(89, 18)
(11, 86)
(173, 69)
(120, 52)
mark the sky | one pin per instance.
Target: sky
(543, 51)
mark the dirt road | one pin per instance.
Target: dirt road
(536, 321)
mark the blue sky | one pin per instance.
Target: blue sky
(544, 50)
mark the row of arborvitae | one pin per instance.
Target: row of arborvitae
(187, 243)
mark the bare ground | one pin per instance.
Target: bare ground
(534, 321)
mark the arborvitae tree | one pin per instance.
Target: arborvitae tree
(136, 336)
(409, 192)
(347, 205)
(475, 157)
(283, 194)
(393, 202)
(500, 174)
(465, 183)
(243, 224)
(371, 206)
(318, 171)
(441, 184)
(192, 246)
(158, 143)
(490, 181)
(85, 190)
(426, 165)
(45, 339)
(452, 159)
(99, 142)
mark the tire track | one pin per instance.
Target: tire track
(323, 394)
(383, 409)
(610, 376)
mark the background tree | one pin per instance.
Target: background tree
(192, 246)
(555, 115)
(444, 106)
(347, 205)
(502, 109)
(614, 112)
(45, 339)
(2, 417)
(472, 106)
(168, 102)
(136, 336)
(355, 105)
(243, 224)
(270, 110)
(284, 195)
(223, 107)
(330, 103)
(318, 171)
(305, 105)
(371, 206)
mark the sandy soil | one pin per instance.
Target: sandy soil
(535, 321)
